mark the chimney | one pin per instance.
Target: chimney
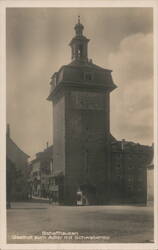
(8, 130)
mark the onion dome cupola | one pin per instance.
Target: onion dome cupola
(79, 44)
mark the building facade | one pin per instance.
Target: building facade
(86, 158)
(16, 169)
(40, 173)
(150, 186)
(129, 163)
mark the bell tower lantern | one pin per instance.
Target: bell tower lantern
(79, 44)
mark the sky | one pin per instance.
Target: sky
(37, 45)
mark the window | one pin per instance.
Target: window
(86, 160)
(118, 166)
(140, 180)
(130, 166)
(130, 188)
(140, 166)
(130, 184)
(130, 156)
(80, 51)
(119, 156)
(130, 179)
(139, 189)
(118, 176)
(88, 76)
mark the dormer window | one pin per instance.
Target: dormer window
(88, 76)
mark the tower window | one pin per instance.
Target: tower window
(130, 167)
(130, 179)
(118, 177)
(86, 160)
(118, 166)
(80, 51)
(88, 76)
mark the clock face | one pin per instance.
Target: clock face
(87, 100)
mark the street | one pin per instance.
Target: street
(115, 224)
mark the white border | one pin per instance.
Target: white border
(2, 126)
(61, 3)
(156, 124)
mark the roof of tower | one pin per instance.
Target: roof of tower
(88, 64)
(81, 71)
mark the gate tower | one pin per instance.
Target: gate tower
(80, 93)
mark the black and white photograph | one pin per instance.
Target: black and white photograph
(80, 125)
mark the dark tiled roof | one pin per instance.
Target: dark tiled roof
(91, 65)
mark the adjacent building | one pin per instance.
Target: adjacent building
(16, 166)
(150, 184)
(40, 172)
(129, 163)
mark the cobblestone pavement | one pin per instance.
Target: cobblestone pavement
(88, 224)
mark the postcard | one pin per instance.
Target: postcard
(79, 130)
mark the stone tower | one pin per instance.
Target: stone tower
(81, 126)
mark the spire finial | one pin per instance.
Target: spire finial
(79, 27)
